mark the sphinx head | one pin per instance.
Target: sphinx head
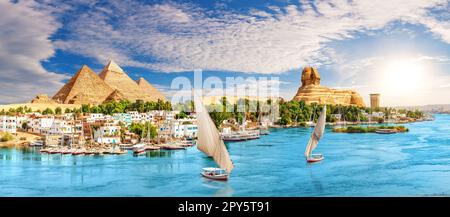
(310, 76)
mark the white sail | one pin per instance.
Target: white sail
(209, 141)
(319, 129)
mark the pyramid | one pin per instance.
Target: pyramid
(117, 79)
(85, 87)
(148, 88)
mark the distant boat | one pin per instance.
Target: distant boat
(139, 148)
(37, 143)
(318, 132)
(264, 131)
(210, 143)
(386, 131)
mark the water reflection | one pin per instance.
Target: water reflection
(318, 187)
(224, 189)
(158, 154)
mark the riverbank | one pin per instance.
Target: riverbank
(20, 140)
(369, 129)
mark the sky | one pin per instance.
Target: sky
(398, 48)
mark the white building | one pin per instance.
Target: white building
(109, 133)
(122, 117)
(184, 129)
(8, 124)
(41, 125)
(135, 116)
(95, 117)
(61, 126)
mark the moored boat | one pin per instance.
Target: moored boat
(38, 143)
(66, 151)
(139, 148)
(152, 147)
(54, 151)
(172, 147)
(44, 150)
(78, 152)
(386, 131)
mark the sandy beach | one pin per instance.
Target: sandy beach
(21, 139)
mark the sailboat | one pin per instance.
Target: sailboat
(318, 132)
(210, 143)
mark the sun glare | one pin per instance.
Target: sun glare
(402, 76)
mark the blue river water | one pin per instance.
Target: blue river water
(415, 163)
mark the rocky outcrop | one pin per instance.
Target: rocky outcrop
(312, 92)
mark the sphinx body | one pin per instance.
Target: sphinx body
(312, 92)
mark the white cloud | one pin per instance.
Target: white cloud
(177, 37)
(24, 44)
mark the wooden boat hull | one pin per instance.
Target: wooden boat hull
(314, 158)
(222, 177)
(140, 151)
(385, 132)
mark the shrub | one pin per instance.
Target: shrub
(6, 137)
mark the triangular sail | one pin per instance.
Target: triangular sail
(317, 133)
(209, 141)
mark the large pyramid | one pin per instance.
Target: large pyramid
(148, 88)
(85, 87)
(116, 78)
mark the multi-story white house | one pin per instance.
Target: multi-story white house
(170, 115)
(122, 117)
(95, 117)
(109, 133)
(135, 116)
(61, 126)
(8, 124)
(22, 119)
(184, 128)
(41, 125)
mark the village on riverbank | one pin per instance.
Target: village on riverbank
(110, 113)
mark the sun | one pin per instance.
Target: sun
(402, 76)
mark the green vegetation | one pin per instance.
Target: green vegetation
(369, 129)
(142, 129)
(6, 137)
(48, 111)
(25, 125)
(58, 110)
(124, 106)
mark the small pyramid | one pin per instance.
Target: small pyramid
(84, 87)
(116, 78)
(115, 96)
(150, 89)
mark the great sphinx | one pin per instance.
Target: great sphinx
(312, 92)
